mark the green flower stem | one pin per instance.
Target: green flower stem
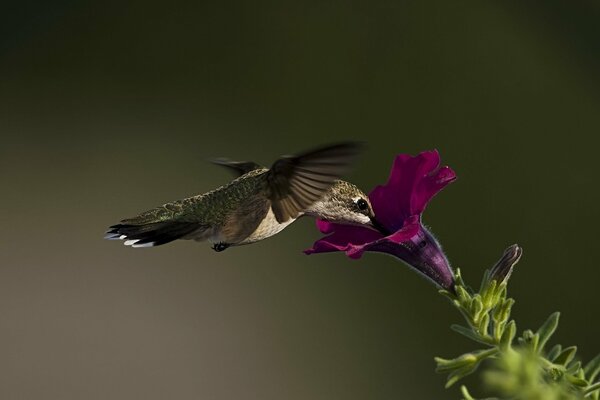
(524, 369)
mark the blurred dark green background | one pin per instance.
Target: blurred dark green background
(109, 108)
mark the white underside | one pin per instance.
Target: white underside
(268, 227)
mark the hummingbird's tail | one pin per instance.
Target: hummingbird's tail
(151, 234)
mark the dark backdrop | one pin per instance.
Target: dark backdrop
(109, 108)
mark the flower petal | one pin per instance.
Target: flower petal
(413, 181)
(423, 253)
(343, 238)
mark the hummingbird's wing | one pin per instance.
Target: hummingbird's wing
(239, 168)
(296, 182)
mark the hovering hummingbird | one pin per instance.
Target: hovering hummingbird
(258, 204)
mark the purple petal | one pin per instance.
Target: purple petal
(355, 240)
(413, 181)
(423, 253)
(344, 238)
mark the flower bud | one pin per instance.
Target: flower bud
(502, 270)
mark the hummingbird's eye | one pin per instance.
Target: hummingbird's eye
(362, 204)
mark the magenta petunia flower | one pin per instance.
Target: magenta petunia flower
(398, 206)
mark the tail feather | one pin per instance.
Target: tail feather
(151, 234)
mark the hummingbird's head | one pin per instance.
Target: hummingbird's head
(344, 203)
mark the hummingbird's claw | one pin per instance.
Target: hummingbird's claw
(218, 247)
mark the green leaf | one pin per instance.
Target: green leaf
(465, 393)
(444, 365)
(592, 368)
(566, 355)
(458, 374)
(591, 389)
(467, 332)
(467, 369)
(554, 352)
(547, 329)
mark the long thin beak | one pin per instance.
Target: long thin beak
(377, 225)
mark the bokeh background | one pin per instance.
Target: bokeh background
(108, 108)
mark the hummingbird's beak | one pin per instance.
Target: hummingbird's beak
(379, 227)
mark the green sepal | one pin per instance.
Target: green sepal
(497, 313)
(547, 329)
(574, 368)
(484, 280)
(459, 279)
(554, 352)
(500, 293)
(488, 294)
(450, 295)
(506, 308)
(499, 330)
(476, 307)
(507, 336)
(576, 381)
(592, 368)
(463, 296)
(484, 324)
(534, 342)
(464, 312)
(566, 355)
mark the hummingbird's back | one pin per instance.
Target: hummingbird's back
(198, 217)
(216, 206)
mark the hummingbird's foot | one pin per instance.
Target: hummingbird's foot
(220, 247)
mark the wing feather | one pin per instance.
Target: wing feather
(296, 182)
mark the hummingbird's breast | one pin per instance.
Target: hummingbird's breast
(269, 226)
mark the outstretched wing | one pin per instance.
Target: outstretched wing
(239, 168)
(296, 182)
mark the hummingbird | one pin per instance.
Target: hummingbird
(260, 202)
